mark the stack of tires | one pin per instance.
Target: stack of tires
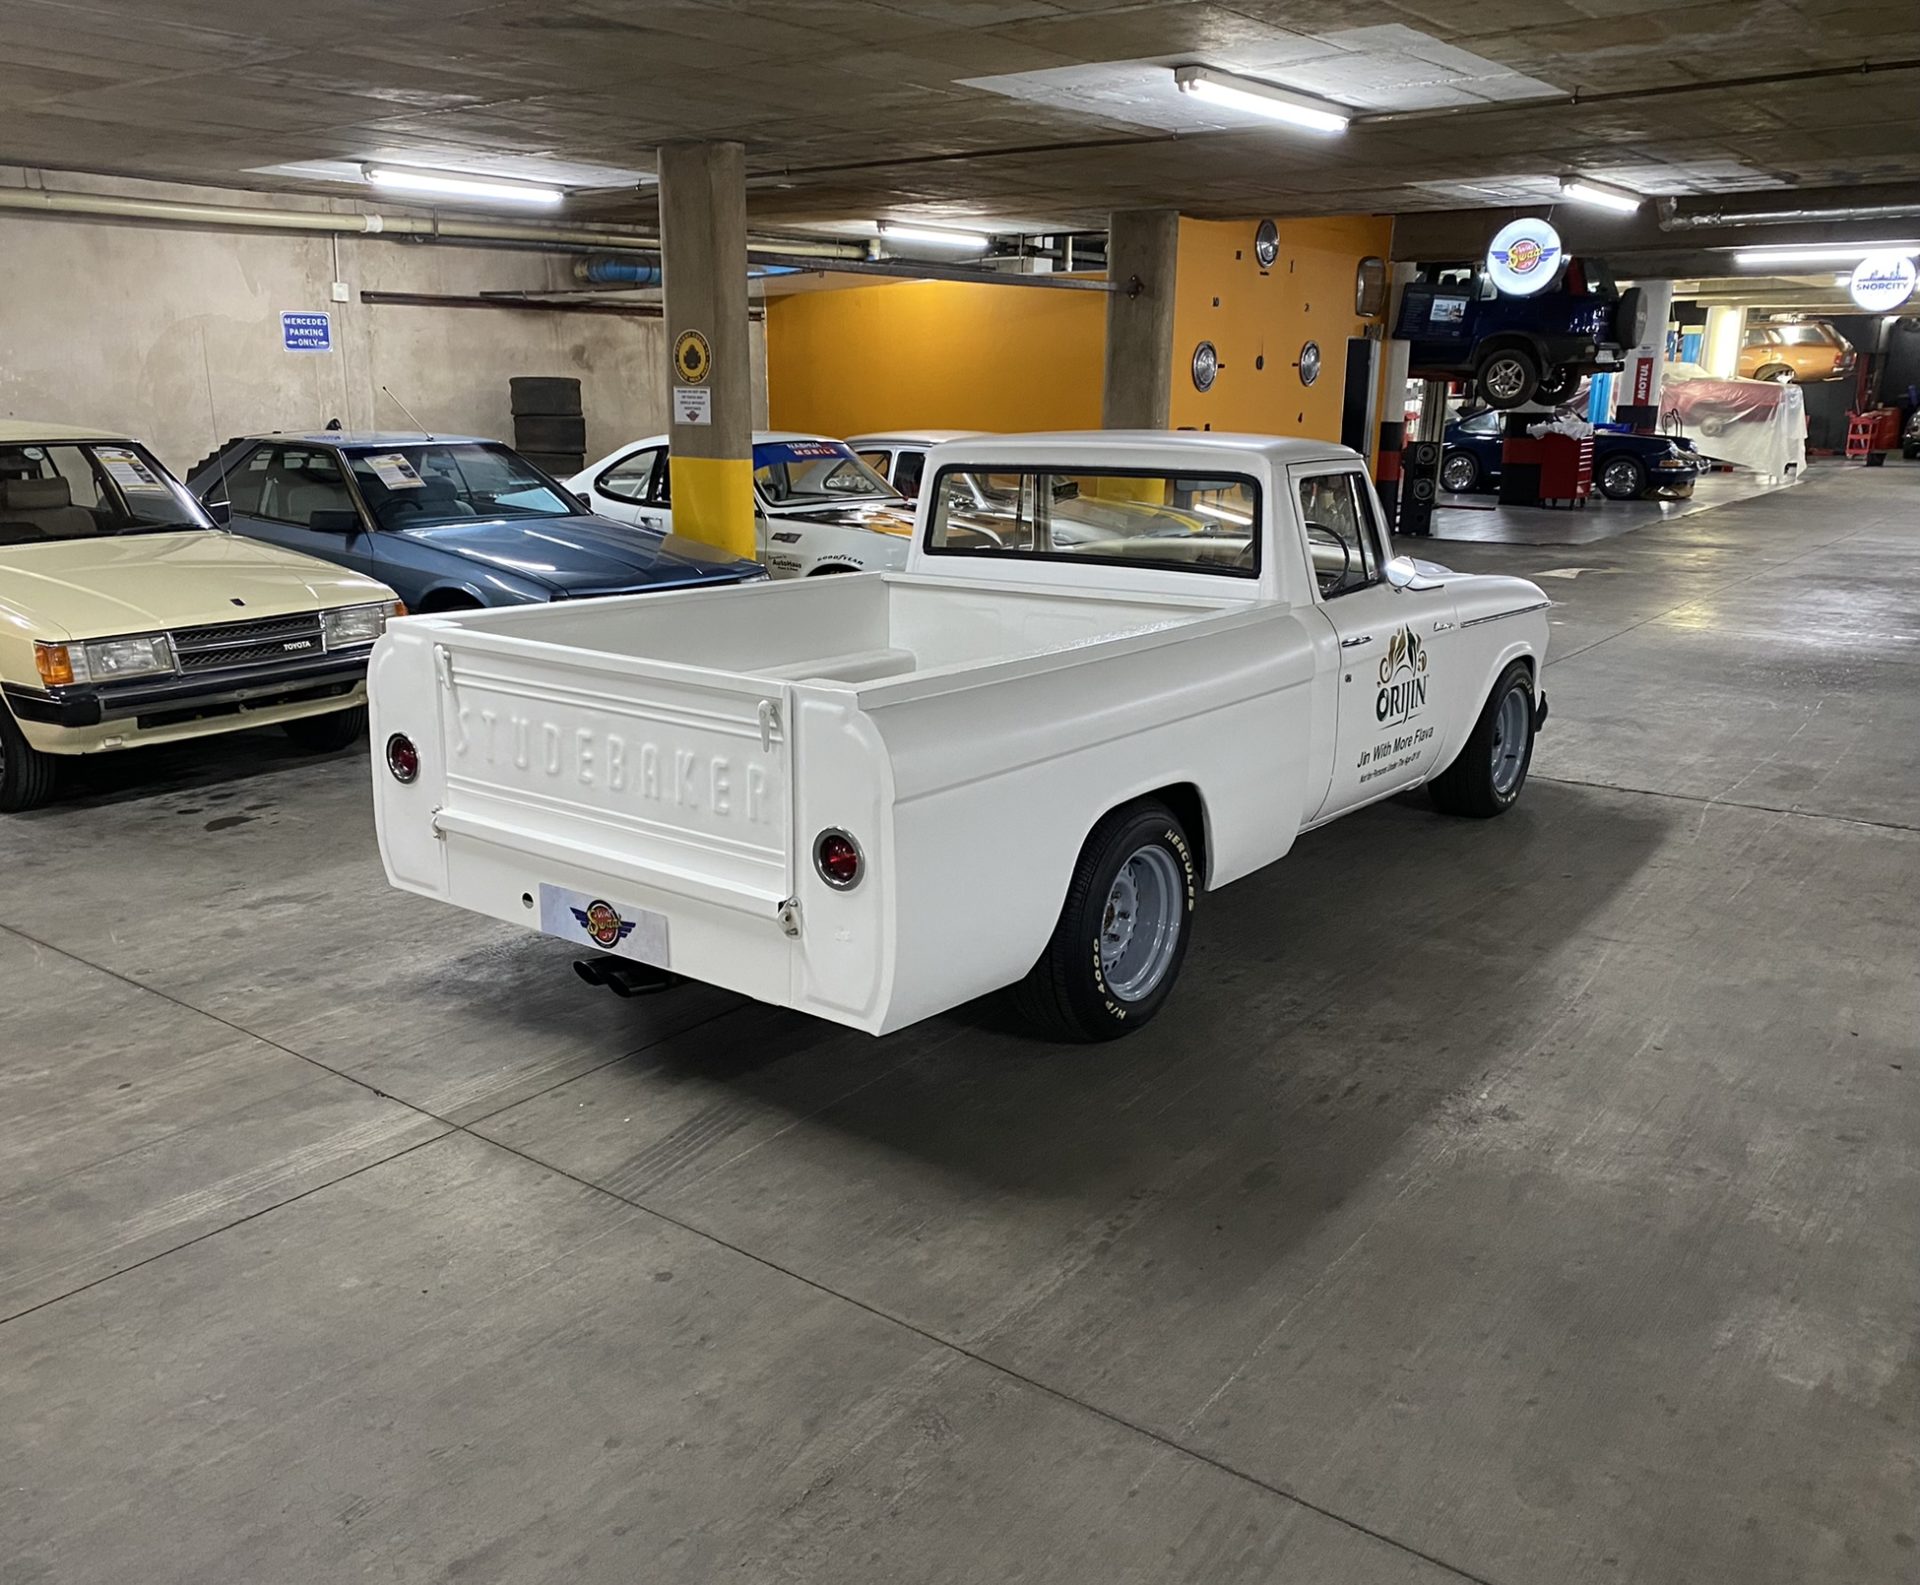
(547, 427)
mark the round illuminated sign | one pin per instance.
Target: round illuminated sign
(1206, 364)
(1883, 281)
(1266, 243)
(1525, 257)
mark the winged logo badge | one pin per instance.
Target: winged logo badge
(602, 923)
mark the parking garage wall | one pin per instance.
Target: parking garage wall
(174, 335)
(1259, 319)
(935, 355)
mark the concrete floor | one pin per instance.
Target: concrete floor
(1530, 1201)
(1483, 520)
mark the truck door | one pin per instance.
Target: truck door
(1395, 684)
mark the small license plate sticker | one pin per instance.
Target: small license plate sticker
(605, 924)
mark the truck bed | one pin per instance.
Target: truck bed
(850, 630)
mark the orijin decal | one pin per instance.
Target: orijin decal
(1403, 678)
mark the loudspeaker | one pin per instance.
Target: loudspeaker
(1421, 456)
(1419, 487)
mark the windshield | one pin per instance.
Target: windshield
(814, 472)
(437, 482)
(81, 491)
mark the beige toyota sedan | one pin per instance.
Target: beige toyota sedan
(128, 616)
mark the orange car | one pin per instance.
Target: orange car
(1799, 351)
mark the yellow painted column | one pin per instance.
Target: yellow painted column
(703, 256)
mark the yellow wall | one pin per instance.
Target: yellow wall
(951, 355)
(1249, 314)
(935, 355)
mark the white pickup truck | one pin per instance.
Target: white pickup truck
(1021, 760)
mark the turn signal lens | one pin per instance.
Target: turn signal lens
(55, 664)
(837, 857)
(403, 759)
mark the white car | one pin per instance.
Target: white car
(1021, 761)
(900, 455)
(817, 507)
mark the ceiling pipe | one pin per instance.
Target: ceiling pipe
(166, 211)
(1672, 219)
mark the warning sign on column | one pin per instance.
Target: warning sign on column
(693, 404)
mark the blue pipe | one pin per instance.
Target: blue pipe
(629, 272)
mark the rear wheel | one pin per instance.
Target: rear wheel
(1123, 930)
(26, 775)
(1622, 478)
(1460, 473)
(1779, 373)
(327, 734)
(1559, 386)
(1486, 776)
(1508, 377)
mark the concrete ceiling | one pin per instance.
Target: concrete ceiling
(857, 108)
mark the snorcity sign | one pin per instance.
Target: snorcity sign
(1524, 257)
(1883, 281)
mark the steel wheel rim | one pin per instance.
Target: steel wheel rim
(1140, 924)
(1619, 477)
(1456, 473)
(1510, 726)
(1506, 377)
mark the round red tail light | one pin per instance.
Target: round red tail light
(403, 759)
(837, 856)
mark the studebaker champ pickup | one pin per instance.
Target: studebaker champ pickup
(1020, 760)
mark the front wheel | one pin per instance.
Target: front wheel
(1486, 776)
(1622, 478)
(1509, 377)
(1460, 473)
(1122, 934)
(327, 734)
(26, 775)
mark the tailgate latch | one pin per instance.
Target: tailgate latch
(769, 723)
(789, 913)
(443, 665)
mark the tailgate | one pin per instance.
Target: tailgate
(665, 776)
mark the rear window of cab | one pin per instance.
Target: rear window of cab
(1127, 517)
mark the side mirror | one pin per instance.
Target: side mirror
(1403, 574)
(343, 520)
(220, 511)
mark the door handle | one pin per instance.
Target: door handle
(1355, 643)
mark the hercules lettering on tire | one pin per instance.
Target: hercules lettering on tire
(1122, 933)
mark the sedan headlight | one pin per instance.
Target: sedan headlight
(103, 659)
(351, 625)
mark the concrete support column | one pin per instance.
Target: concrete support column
(1143, 247)
(1639, 402)
(703, 255)
(1725, 327)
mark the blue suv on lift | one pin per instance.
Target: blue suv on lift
(1515, 350)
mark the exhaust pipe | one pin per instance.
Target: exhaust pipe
(624, 977)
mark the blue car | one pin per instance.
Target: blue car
(1626, 466)
(449, 523)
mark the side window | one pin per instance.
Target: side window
(1340, 531)
(631, 478)
(878, 461)
(299, 484)
(242, 482)
(908, 472)
(661, 494)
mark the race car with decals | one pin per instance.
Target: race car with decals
(1023, 760)
(817, 508)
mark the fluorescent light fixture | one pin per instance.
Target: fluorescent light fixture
(450, 184)
(1581, 190)
(1826, 253)
(1259, 98)
(971, 241)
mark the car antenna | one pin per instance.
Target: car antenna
(409, 412)
(221, 448)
